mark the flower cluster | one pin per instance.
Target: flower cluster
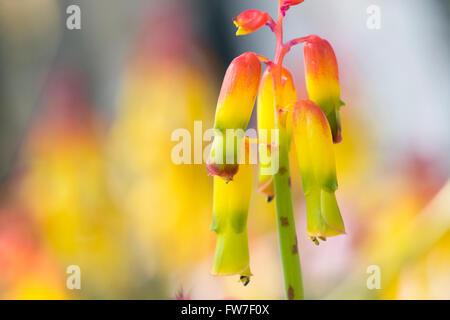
(313, 124)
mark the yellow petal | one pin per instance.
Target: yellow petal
(230, 212)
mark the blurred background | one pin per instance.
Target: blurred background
(86, 177)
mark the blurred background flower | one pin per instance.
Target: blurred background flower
(86, 174)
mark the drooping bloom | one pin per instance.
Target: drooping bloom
(230, 212)
(315, 154)
(322, 81)
(266, 123)
(249, 21)
(234, 109)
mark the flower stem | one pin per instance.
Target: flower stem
(287, 235)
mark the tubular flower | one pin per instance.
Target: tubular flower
(322, 81)
(249, 21)
(234, 108)
(230, 212)
(266, 123)
(314, 146)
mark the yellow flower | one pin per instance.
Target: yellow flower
(315, 154)
(266, 123)
(322, 81)
(230, 212)
(249, 21)
(234, 109)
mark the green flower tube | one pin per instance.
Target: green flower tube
(230, 212)
(314, 146)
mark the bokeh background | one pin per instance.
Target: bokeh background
(86, 118)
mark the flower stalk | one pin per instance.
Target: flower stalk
(287, 235)
(314, 124)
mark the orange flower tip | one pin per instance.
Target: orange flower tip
(249, 21)
(319, 45)
(246, 60)
(308, 108)
(320, 58)
(241, 81)
(226, 171)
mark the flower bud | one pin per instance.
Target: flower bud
(322, 81)
(266, 123)
(249, 21)
(234, 109)
(230, 211)
(315, 154)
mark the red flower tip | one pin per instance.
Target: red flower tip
(249, 21)
(226, 171)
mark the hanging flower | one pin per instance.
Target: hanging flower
(314, 124)
(234, 109)
(322, 81)
(266, 123)
(230, 211)
(249, 21)
(315, 154)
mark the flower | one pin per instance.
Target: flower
(315, 154)
(322, 81)
(230, 212)
(234, 109)
(249, 21)
(266, 123)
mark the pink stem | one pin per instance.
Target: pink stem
(265, 60)
(293, 42)
(283, 196)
